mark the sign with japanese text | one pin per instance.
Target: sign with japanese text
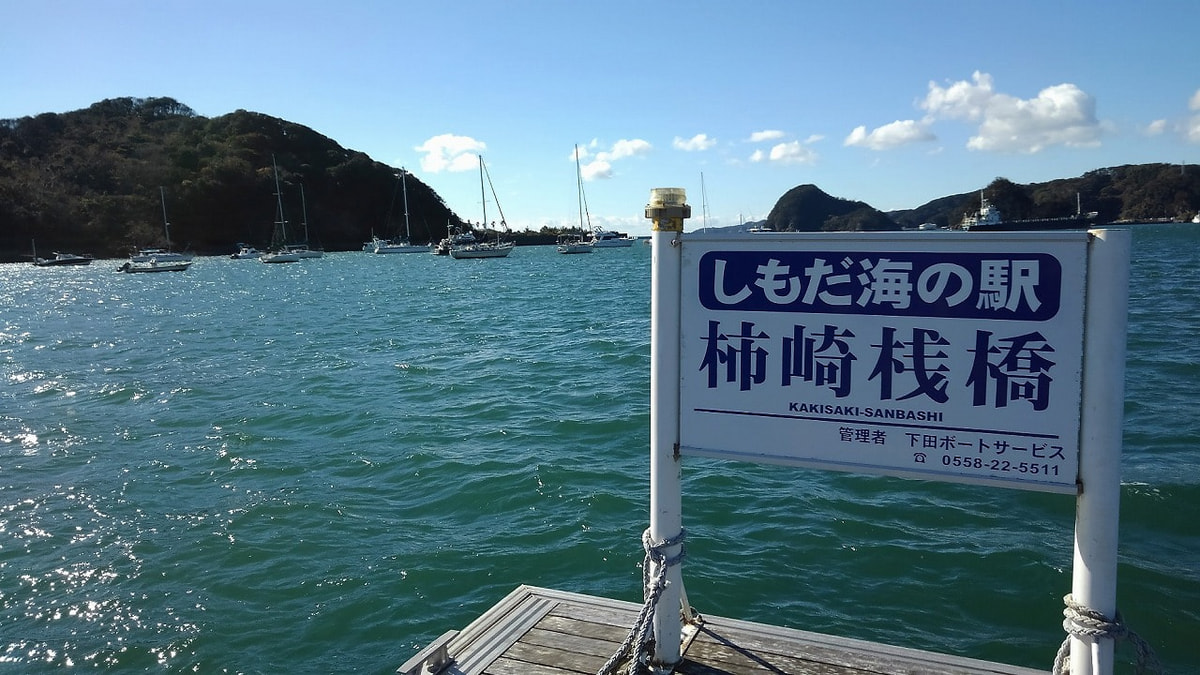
(940, 356)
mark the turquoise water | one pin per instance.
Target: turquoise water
(320, 467)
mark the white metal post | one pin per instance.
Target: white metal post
(667, 210)
(1094, 575)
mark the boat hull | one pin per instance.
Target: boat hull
(154, 266)
(278, 258)
(63, 260)
(384, 249)
(482, 251)
(1034, 225)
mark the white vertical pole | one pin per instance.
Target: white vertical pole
(667, 210)
(1094, 575)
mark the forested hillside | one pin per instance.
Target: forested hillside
(89, 181)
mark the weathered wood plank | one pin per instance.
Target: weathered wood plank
(536, 631)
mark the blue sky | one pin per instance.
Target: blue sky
(888, 102)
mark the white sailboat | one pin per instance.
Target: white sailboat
(158, 259)
(404, 245)
(576, 243)
(485, 249)
(160, 255)
(302, 249)
(278, 252)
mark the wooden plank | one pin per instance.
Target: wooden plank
(537, 631)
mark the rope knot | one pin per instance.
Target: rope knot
(1084, 622)
(638, 646)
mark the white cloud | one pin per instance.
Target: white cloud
(1192, 129)
(792, 152)
(448, 152)
(595, 164)
(1194, 102)
(1059, 115)
(767, 135)
(697, 142)
(1156, 128)
(596, 169)
(889, 136)
(961, 100)
(626, 148)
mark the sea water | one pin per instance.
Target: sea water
(322, 466)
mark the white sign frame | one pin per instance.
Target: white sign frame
(964, 353)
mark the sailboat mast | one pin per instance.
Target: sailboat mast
(279, 203)
(579, 181)
(304, 211)
(482, 192)
(404, 184)
(162, 194)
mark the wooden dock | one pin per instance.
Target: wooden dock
(538, 631)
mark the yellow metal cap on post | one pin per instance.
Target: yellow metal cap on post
(668, 209)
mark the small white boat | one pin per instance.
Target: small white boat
(485, 249)
(572, 243)
(303, 251)
(455, 239)
(246, 252)
(278, 257)
(154, 265)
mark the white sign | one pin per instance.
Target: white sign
(943, 356)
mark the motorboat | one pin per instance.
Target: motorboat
(610, 239)
(154, 265)
(246, 252)
(60, 259)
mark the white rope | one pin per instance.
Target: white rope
(639, 644)
(1084, 622)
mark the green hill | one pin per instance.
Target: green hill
(88, 181)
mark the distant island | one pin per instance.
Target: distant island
(88, 181)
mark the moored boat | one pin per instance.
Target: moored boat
(60, 259)
(160, 255)
(280, 251)
(246, 252)
(610, 239)
(405, 245)
(485, 249)
(576, 242)
(152, 265)
(988, 219)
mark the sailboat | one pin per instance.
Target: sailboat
(402, 245)
(576, 243)
(278, 252)
(158, 259)
(301, 249)
(160, 255)
(485, 249)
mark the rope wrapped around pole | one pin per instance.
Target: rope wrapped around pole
(637, 645)
(1080, 621)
